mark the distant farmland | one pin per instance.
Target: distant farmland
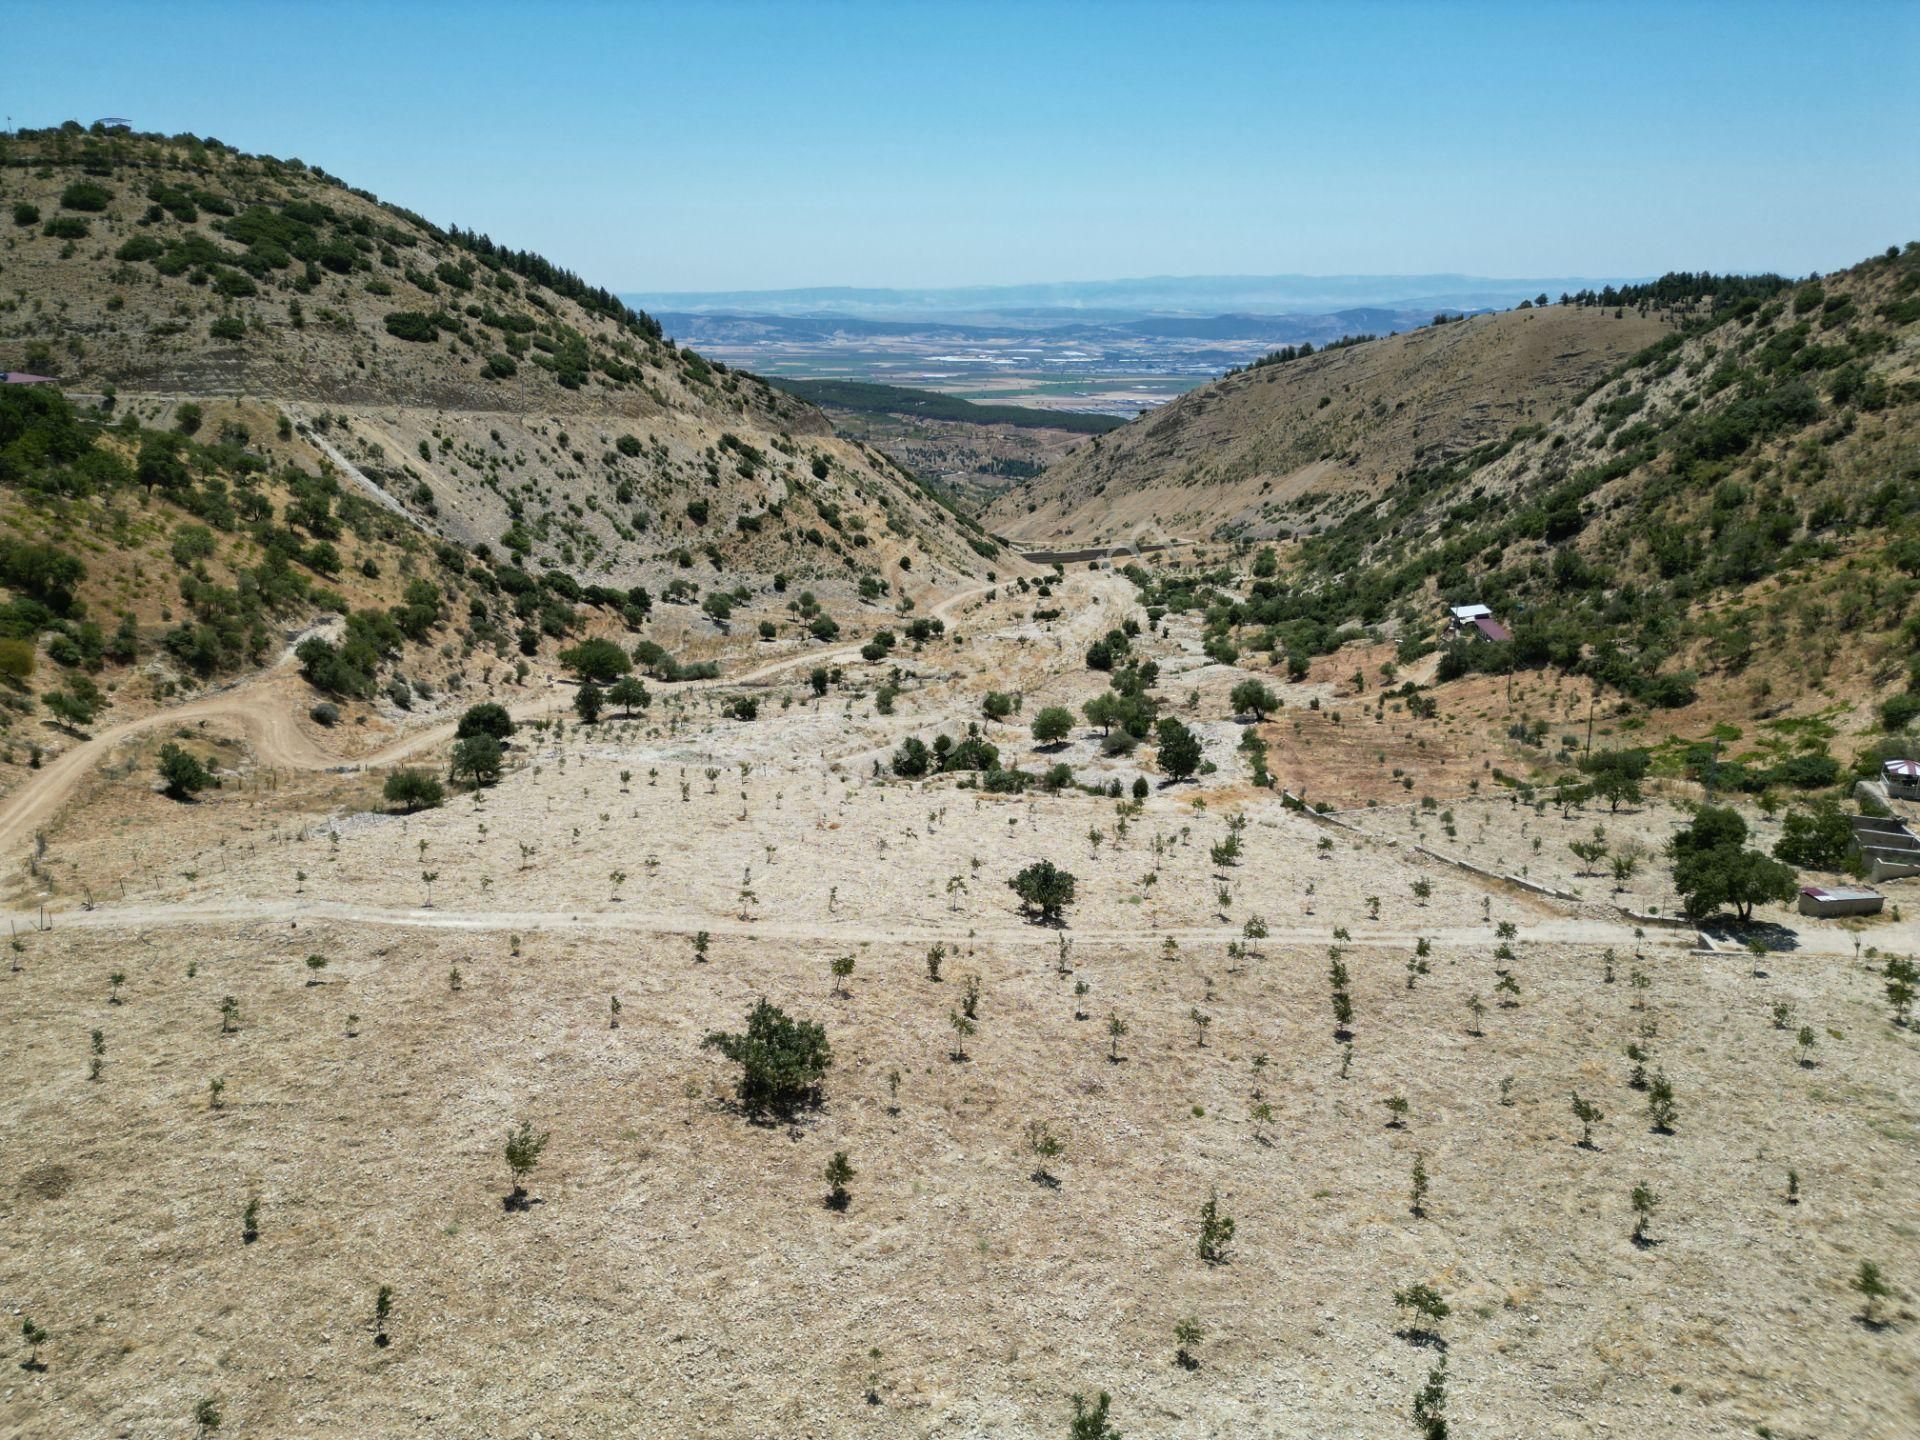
(871, 399)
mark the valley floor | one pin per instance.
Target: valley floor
(678, 1272)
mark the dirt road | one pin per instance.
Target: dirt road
(264, 707)
(1007, 930)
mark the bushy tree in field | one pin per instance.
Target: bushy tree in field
(1179, 751)
(782, 1061)
(1711, 867)
(1045, 890)
(912, 760)
(1869, 1284)
(1588, 1114)
(1052, 725)
(1616, 774)
(1251, 697)
(1818, 837)
(629, 694)
(1090, 1421)
(487, 718)
(838, 1172)
(478, 757)
(523, 1148)
(1216, 1231)
(600, 661)
(413, 790)
(1430, 1404)
(1644, 1202)
(183, 773)
(1428, 1308)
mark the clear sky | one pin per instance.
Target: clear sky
(760, 145)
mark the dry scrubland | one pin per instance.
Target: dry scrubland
(1273, 447)
(679, 1272)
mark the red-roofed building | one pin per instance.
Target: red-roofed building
(16, 377)
(1491, 628)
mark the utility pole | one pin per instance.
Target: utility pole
(1592, 691)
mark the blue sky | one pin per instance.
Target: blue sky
(750, 145)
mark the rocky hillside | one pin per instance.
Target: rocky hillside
(1282, 446)
(1726, 525)
(494, 397)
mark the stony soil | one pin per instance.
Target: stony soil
(678, 1272)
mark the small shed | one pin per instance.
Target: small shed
(1903, 778)
(1828, 903)
(1476, 621)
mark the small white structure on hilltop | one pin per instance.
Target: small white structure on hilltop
(1467, 614)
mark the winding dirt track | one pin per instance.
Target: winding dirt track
(264, 705)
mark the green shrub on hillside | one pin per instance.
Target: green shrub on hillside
(85, 195)
(411, 325)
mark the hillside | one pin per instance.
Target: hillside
(1724, 531)
(1276, 446)
(870, 399)
(493, 396)
(969, 452)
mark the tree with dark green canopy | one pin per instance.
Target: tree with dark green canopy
(486, 718)
(782, 1060)
(596, 660)
(629, 694)
(185, 776)
(1179, 749)
(1712, 868)
(1045, 890)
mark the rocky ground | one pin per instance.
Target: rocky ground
(678, 1271)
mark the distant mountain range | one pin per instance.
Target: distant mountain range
(1117, 301)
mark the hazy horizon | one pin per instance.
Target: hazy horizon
(1277, 294)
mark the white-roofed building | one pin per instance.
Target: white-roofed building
(1902, 777)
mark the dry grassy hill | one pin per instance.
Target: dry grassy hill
(1264, 450)
(493, 395)
(284, 406)
(1719, 534)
